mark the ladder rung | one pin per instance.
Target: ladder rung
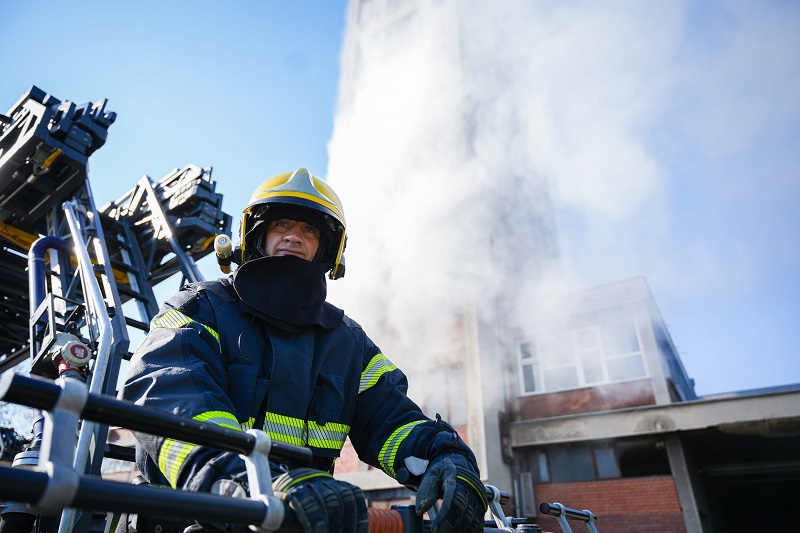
(144, 326)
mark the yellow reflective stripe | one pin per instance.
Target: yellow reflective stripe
(392, 444)
(378, 366)
(171, 457)
(301, 479)
(481, 492)
(286, 429)
(297, 431)
(174, 452)
(331, 435)
(219, 418)
(175, 319)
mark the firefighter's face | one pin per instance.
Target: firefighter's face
(291, 237)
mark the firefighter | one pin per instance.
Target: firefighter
(263, 349)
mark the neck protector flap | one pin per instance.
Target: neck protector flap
(286, 291)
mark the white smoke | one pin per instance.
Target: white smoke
(441, 110)
(602, 106)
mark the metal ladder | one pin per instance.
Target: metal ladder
(85, 263)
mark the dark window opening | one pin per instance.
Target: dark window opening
(642, 458)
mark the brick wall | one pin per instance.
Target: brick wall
(587, 400)
(348, 461)
(630, 505)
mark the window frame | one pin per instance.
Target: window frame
(532, 366)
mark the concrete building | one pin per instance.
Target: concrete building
(636, 445)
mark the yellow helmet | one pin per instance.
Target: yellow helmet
(296, 195)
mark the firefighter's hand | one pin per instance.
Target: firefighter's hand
(462, 493)
(322, 503)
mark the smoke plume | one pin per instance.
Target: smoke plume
(495, 154)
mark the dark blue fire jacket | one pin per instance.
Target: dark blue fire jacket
(207, 358)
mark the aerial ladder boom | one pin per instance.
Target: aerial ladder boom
(65, 317)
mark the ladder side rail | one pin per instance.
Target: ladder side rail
(91, 433)
(112, 299)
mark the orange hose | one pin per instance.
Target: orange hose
(384, 521)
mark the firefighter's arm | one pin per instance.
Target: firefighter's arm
(179, 368)
(389, 429)
(425, 455)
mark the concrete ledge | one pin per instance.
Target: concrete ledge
(777, 413)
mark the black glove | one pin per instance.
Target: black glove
(462, 493)
(322, 503)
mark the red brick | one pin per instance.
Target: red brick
(587, 400)
(630, 505)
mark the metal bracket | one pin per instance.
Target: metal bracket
(562, 519)
(590, 525)
(259, 479)
(499, 516)
(58, 447)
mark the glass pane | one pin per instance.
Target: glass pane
(563, 377)
(544, 473)
(620, 338)
(571, 464)
(625, 368)
(527, 350)
(557, 349)
(586, 338)
(537, 463)
(528, 378)
(592, 369)
(606, 462)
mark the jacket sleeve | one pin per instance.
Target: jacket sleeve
(390, 431)
(179, 368)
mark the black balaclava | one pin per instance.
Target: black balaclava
(286, 291)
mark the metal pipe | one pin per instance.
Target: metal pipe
(42, 394)
(555, 509)
(36, 267)
(37, 287)
(103, 495)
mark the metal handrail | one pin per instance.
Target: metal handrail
(97, 317)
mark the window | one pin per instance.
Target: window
(565, 463)
(605, 461)
(530, 367)
(580, 357)
(573, 462)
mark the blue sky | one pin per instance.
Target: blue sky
(244, 87)
(250, 88)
